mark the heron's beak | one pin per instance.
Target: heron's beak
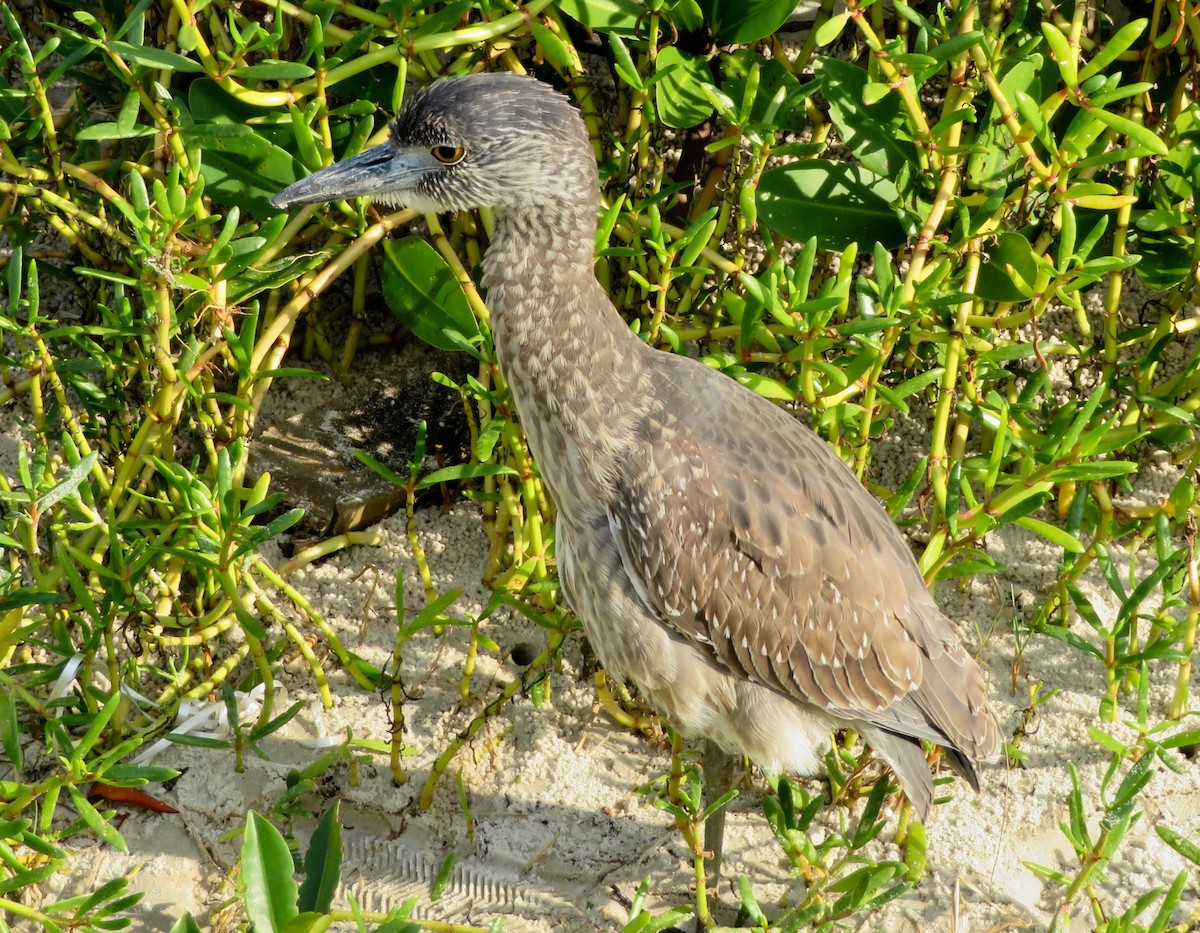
(384, 170)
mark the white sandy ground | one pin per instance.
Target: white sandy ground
(561, 838)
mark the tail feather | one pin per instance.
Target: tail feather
(905, 756)
(962, 765)
(907, 759)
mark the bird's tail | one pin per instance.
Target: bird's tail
(906, 758)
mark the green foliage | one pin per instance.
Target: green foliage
(842, 879)
(836, 202)
(683, 88)
(422, 291)
(1118, 808)
(737, 23)
(267, 887)
(930, 211)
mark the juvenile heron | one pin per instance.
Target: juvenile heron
(721, 557)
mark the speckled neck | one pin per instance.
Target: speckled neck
(562, 346)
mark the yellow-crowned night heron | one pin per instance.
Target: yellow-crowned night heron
(720, 556)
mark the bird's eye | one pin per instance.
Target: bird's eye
(448, 155)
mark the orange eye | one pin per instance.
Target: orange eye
(448, 155)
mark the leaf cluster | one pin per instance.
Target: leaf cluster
(905, 212)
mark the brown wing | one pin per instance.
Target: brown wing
(746, 534)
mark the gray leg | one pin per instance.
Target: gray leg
(719, 772)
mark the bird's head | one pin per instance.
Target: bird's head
(484, 140)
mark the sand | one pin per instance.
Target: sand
(560, 839)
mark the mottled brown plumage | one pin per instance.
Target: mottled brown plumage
(719, 554)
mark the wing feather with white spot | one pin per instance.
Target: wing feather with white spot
(775, 559)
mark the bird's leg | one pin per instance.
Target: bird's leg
(719, 772)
